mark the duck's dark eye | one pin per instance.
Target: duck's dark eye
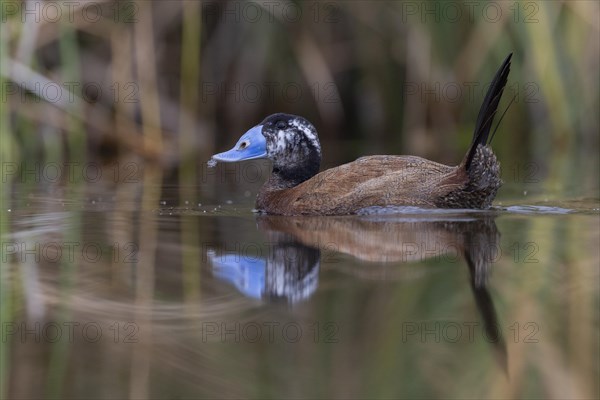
(281, 125)
(243, 145)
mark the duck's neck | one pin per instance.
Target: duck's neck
(280, 180)
(285, 178)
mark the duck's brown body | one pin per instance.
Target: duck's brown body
(296, 188)
(381, 181)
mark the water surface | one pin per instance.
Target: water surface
(139, 291)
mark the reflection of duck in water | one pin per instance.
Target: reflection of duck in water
(293, 254)
(397, 238)
(296, 188)
(289, 271)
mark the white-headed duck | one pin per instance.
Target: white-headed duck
(296, 187)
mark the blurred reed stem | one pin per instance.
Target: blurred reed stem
(7, 155)
(7, 152)
(127, 133)
(559, 128)
(5, 309)
(145, 65)
(61, 349)
(581, 307)
(6, 284)
(70, 56)
(122, 70)
(188, 177)
(189, 84)
(144, 284)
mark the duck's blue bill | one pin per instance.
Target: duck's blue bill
(252, 145)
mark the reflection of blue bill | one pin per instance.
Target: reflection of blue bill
(246, 274)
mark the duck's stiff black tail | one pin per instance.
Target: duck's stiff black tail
(488, 111)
